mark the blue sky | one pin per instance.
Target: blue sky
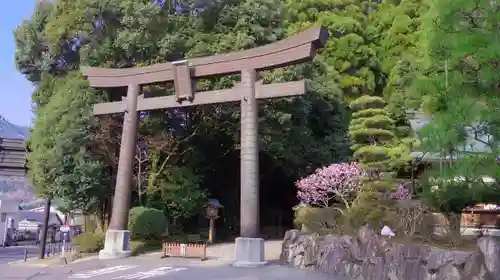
(16, 91)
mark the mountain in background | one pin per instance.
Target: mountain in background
(10, 130)
(16, 188)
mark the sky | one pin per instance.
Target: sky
(15, 96)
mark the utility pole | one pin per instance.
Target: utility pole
(45, 227)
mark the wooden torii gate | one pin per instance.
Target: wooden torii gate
(292, 50)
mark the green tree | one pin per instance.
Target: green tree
(297, 135)
(349, 51)
(449, 194)
(458, 85)
(59, 163)
(379, 154)
(178, 193)
(369, 49)
(396, 33)
(32, 55)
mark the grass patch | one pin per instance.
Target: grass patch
(139, 247)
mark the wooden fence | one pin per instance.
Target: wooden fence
(185, 250)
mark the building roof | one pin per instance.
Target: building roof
(12, 149)
(37, 216)
(476, 145)
(13, 156)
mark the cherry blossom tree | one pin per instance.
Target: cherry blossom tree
(336, 182)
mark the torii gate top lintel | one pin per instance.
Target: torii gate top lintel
(289, 51)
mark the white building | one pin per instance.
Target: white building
(29, 220)
(52, 210)
(9, 212)
(74, 218)
(11, 217)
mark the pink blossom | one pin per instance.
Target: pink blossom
(338, 181)
(403, 191)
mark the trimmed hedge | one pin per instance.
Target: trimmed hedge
(146, 223)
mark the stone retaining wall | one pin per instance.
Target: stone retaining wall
(369, 256)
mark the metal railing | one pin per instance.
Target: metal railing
(57, 248)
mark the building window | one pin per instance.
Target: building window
(4, 217)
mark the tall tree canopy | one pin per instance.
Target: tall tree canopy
(382, 58)
(59, 161)
(349, 51)
(297, 135)
(459, 84)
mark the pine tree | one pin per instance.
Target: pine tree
(376, 149)
(458, 85)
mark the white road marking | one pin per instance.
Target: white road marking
(151, 273)
(107, 270)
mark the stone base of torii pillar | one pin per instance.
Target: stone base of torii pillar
(250, 252)
(116, 245)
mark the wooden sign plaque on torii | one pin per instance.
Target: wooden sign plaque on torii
(293, 50)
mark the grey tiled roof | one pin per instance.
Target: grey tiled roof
(418, 121)
(12, 157)
(37, 216)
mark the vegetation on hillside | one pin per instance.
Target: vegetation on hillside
(297, 134)
(381, 60)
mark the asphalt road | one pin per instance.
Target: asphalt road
(15, 253)
(157, 269)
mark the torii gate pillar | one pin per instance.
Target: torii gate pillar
(116, 244)
(249, 248)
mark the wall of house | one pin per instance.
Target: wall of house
(22, 215)
(8, 209)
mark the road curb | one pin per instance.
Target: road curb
(22, 261)
(84, 259)
(27, 262)
(60, 261)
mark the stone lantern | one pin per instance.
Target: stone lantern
(212, 213)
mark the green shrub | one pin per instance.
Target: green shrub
(146, 223)
(327, 220)
(88, 242)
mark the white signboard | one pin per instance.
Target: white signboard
(103, 271)
(151, 273)
(64, 228)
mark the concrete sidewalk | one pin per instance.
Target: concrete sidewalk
(223, 254)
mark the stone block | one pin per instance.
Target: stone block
(249, 252)
(116, 245)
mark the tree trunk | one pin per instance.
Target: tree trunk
(454, 231)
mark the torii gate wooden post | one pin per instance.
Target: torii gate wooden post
(293, 50)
